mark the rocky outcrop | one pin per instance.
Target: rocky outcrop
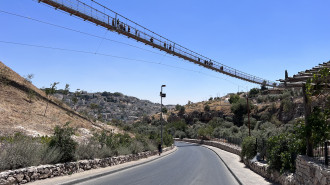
(25, 175)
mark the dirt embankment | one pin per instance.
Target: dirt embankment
(22, 109)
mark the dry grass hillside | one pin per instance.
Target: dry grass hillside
(22, 107)
(217, 105)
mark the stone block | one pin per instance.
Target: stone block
(3, 182)
(19, 177)
(11, 180)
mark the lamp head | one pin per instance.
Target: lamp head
(163, 85)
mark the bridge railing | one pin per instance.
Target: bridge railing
(117, 21)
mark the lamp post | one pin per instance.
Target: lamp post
(162, 95)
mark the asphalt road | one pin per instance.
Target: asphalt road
(190, 164)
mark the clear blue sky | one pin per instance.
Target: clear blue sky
(259, 37)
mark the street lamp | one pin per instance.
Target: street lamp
(162, 95)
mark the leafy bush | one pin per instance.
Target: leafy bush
(239, 109)
(216, 122)
(182, 110)
(282, 151)
(287, 105)
(207, 108)
(253, 92)
(167, 139)
(234, 129)
(179, 134)
(265, 116)
(136, 147)
(177, 125)
(148, 145)
(63, 141)
(253, 122)
(122, 150)
(23, 151)
(249, 148)
(319, 125)
(177, 107)
(261, 99)
(233, 98)
(92, 149)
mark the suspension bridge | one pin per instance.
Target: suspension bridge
(102, 16)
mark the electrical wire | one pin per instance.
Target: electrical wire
(96, 36)
(104, 38)
(113, 56)
(81, 32)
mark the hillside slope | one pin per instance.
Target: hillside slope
(107, 106)
(22, 108)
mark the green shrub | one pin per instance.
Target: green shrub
(282, 151)
(261, 99)
(234, 129)
(287, 105)
(50, 155)
(249, 148)
(233, 98)
(265, 116)
(253, 92)
(63, 141)
(182, 111)
(319, 125)
(253, 122)
(23, 151)
(122, 150)
(136, 147)
(179, 134)
(148, 145)
(92, 149)
(239, 109)
(227, 124)
(207, 108)
(167, 139)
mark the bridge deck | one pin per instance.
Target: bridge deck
(120, 24)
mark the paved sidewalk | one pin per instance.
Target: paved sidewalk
(71, 179)
(242, 173)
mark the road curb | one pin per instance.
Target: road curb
(117, 170)
(237, 179)
(225, 164)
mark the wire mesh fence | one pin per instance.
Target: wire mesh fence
(321, 152)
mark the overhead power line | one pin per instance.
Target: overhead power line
(81, 32)
(113, 56)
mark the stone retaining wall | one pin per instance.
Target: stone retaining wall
(223, 146)
(25, 175)
(307, 172)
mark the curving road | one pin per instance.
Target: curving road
(190, 164)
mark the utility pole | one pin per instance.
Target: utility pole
(162, 95)
(248, 111)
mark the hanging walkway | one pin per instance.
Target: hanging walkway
(120, 24)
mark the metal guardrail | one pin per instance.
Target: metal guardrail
(122, 25)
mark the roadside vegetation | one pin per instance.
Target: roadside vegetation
(277, 125)
(20, 151)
